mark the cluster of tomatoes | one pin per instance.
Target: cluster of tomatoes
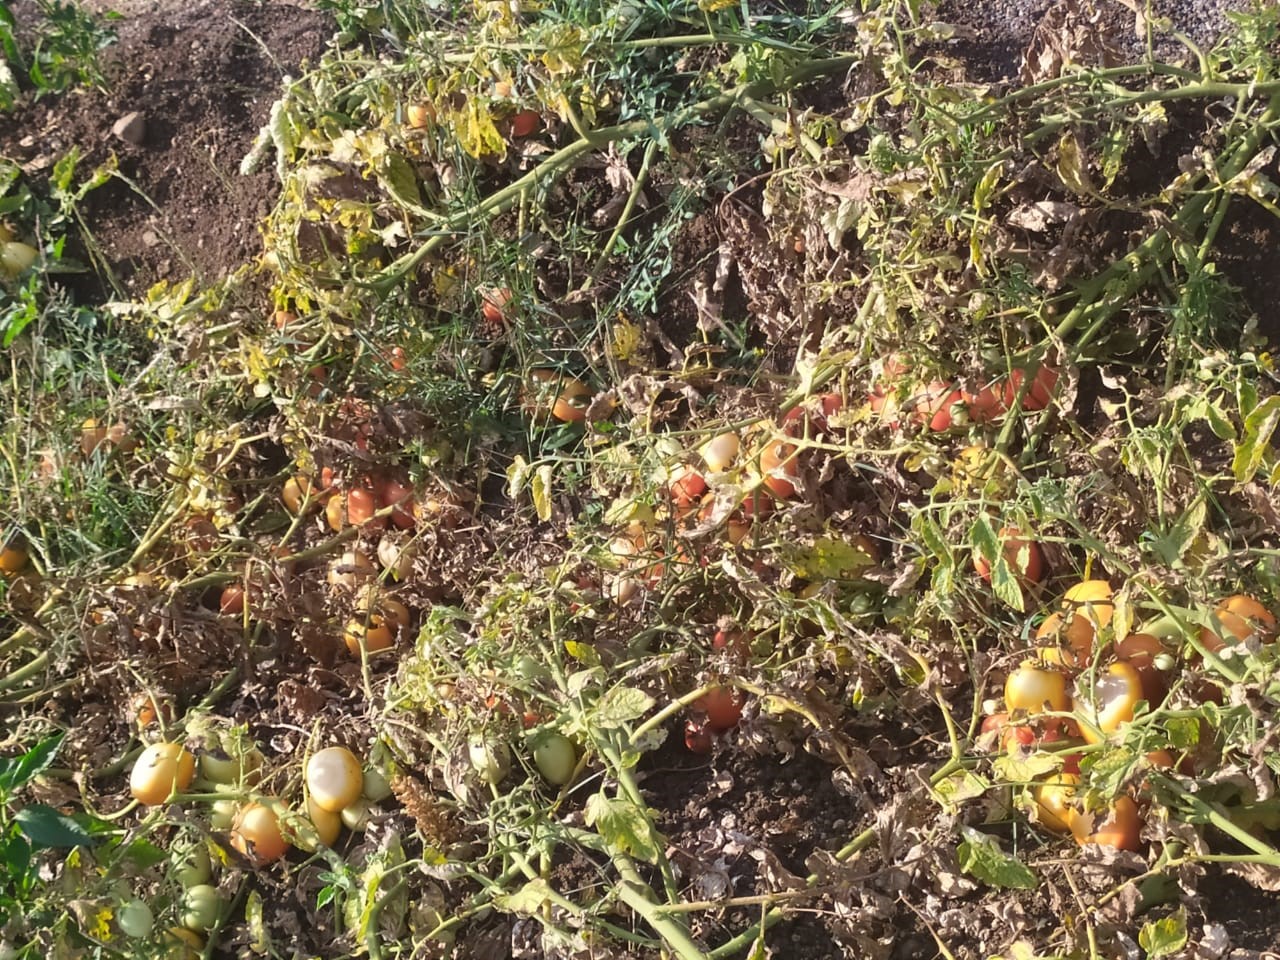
(1084, 686)
(940, 404)
(338, 792)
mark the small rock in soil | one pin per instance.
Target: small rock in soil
(131, 128)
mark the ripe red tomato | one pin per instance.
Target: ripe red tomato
(735, 640)
(232, 600)
(987, 404)
(722, 706)
(392, 492)
(696, 737)
(1030, 570)
(1040, 394)
(525, 123)
(935, 403)
(686, 485)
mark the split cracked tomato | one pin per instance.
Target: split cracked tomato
(1106, 701)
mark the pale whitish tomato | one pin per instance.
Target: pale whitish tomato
(199, 907)
(334, 778)
(720, 451)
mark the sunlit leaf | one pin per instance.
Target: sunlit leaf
(980, 856)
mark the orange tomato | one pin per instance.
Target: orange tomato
(1120, 827)
(255, 833)
(283, 318)
(1237, 619)
(780, 465)
(1086, 608)
(1140, 651)
(493, 304)
(361, 507)
(1013, 545)
(399, 495)
(13, 557)
(231, 601)
(295, 493)
(568, 406)
(985, 405)
(722, 706)
(936, 403)
(420, 114)
(373, 636)
(160, 771)
(686, 485)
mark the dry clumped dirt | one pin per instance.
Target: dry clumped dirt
(202, 77)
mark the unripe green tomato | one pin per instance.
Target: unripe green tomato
(555, 757)
(224, 768)
(15, 257)
(222, 814)
(530, 670)
(191, 865)
(376, 787)
(356, 816)
(491, 759)
(199, 907)
(135, 920)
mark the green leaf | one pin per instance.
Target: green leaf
(19, 771)
(46, 827)
(400, 180)
(1160, 938)
(960, 787)
(1259, 426)
(1004, 581)
(625, 827)
(980, 856)
(622, 705)
(1018, 769)
(1171, 547)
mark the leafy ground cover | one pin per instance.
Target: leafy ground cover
(660, 479)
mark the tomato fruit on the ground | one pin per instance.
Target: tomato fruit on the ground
(722, 706)
(160, 771)
(697, 738)
(1238, 618)
(1034, 689)
(1108, 700)
(334, 778)
(255, 833)
(1119, 827)
(1023, 555)
(555, 757)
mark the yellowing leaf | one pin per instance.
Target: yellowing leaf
(626, 341)
(1072, 167)
(540, 490)
(476, 132)
(624, 826)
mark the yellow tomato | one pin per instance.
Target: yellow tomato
(161, 770)
(1033, 689)
(1056, 803)
(327, 823)
(1102, 710)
